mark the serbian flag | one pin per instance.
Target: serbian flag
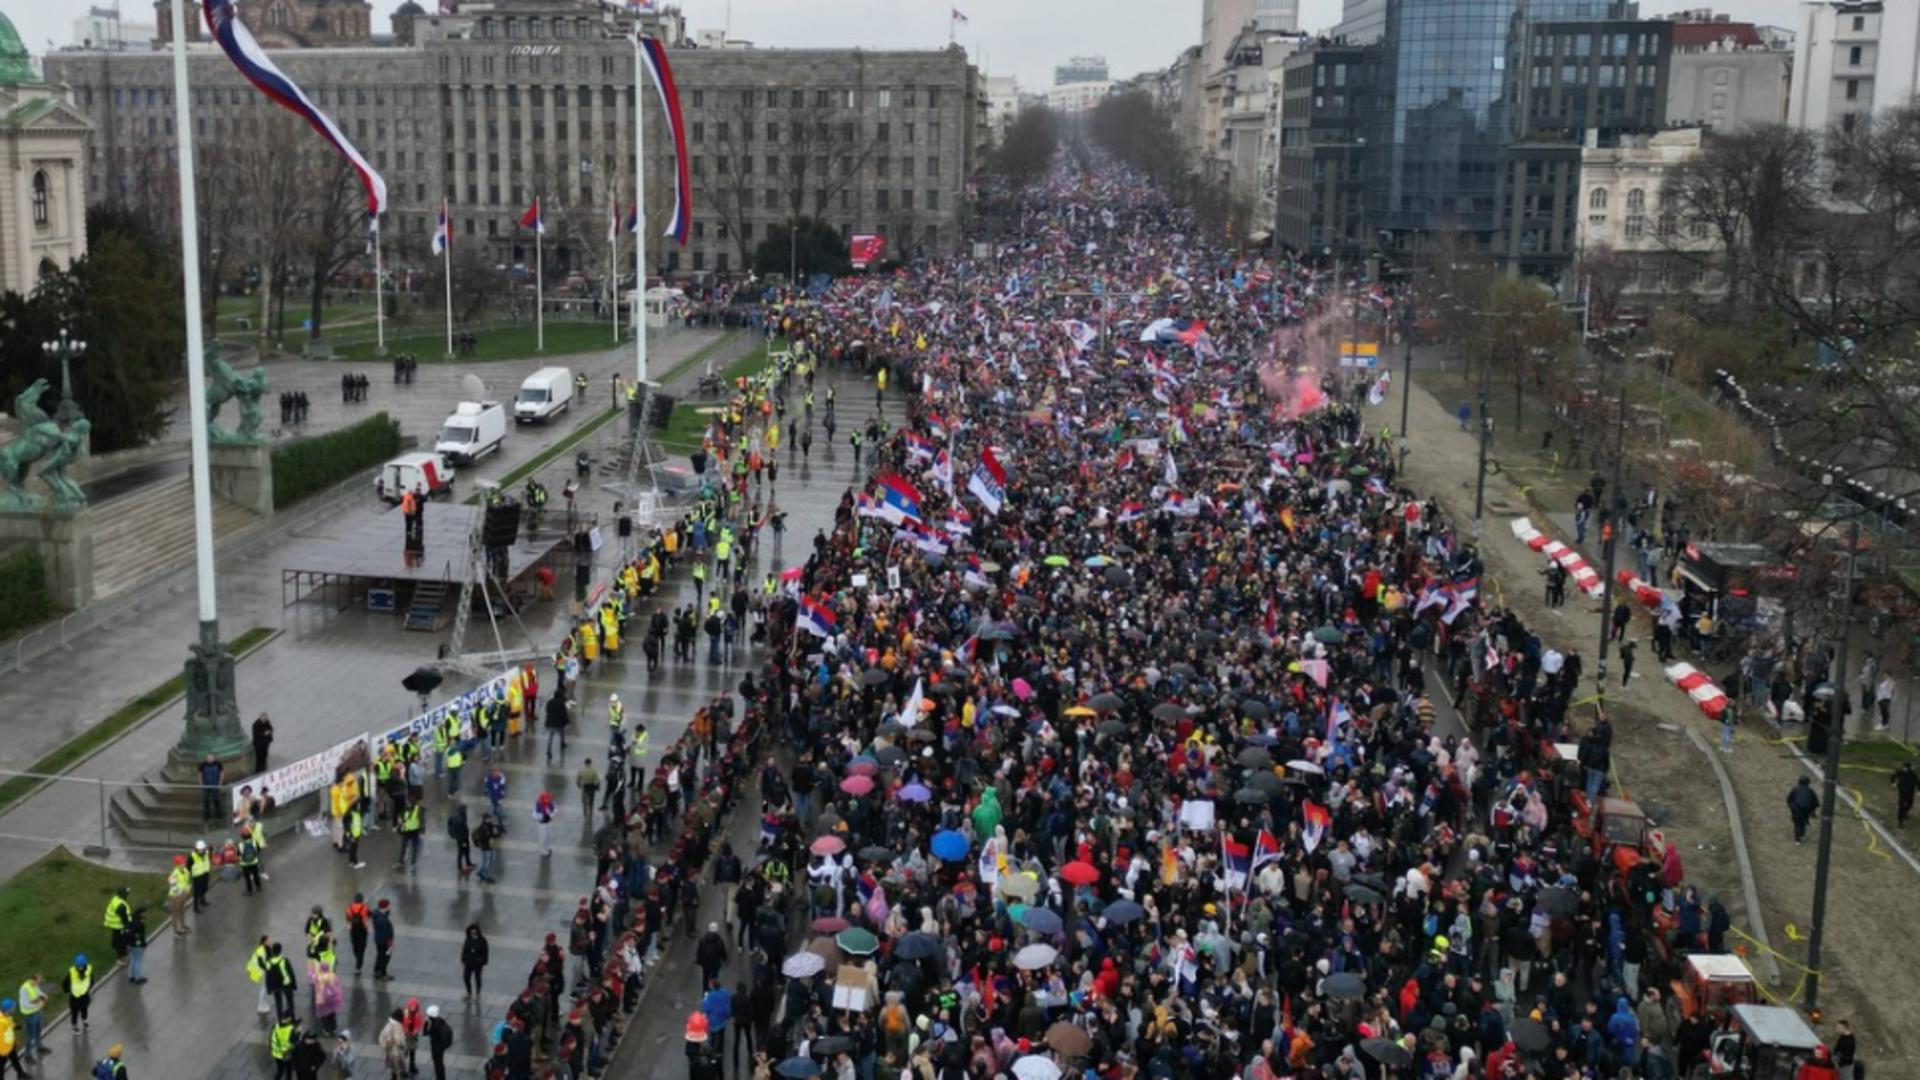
(1337, 716)
(790, 579)
(975, 578)
(654, 55)
(1266, 849)
(989, 481)
(959, 522)
(943, 472)
(1236, 860)
(238, 43)
(899, 500)
(956, 16)
(1459, 598)
(817, 618)
(1124, 459)
(613, 221)
(922, 536)
(920, 449)
(532, 219)
(1131, 511)
(633, 218)
(443, 232)
(865, 505)
(938, 426)
(1314, 823)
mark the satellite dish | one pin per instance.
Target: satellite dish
(473, 388)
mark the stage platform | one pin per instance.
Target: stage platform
(359, 552)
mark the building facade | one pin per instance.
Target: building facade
(507, 101)
(1073, 98)
(1853, 58)
(1081, 69)
(1621, 211)
(1321, 183)
(105, 28)
(1727, 87)
(43, 210)
(284, 24)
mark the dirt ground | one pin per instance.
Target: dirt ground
(1871, 969)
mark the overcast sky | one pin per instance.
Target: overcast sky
(1021, 37)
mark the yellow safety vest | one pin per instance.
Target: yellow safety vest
(80, 981)
(410, 821)
(455, 758)
(282, 1040)
(201, 862)
(118, 912)
(257, 964)
(32, 998)
(179, 882)
(639, 745)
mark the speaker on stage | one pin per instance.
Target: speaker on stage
(502, 525)
(660, 411)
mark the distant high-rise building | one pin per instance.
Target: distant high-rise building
(1276, 16)
(1080, 69)
(1853, 58)
(1726, 74)
(104, 28)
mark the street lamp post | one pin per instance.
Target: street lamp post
(1480, 485)
(1611, 542)
(66, 348)
(1836, 702)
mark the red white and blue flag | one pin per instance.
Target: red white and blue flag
(923, 536)
(899, 500)
(1236, 860)
(817, 618)
(937, 426)
(791, 577)
(532, 219)
(1266, 849)
(654, 55)
(975, 577)
(865, 505)
(1315, 821)
(1337, 717)
(1131, 511)
(443, 232)
(959, 522)
(943, 471)
(1460, 596)
(989, 481)
(633, 218)
(919, 448)
(238, 43)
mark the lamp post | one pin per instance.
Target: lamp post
(66, 348)
(1835, 696)
(1611, 542)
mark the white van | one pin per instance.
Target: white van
(546, 394)
(475, 430)
(413, 472)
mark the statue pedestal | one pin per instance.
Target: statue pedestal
(243, 475)
(65, 540)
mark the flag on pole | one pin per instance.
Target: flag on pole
(989, 481)
(1131, 511)
(654, 55)
(613, 221)
(1266, 849)
(238, 43)
(1236, 859)
(1314, 823)
(531, 219)
(817, 618)
(443, 232)
(899, 500)
(633, 218)
(957, 16)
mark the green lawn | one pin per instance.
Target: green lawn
(53, 909)
(505, 343)
(1867, 764)
(78, 747)
(687, 426)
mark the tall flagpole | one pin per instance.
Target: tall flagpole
(613, 263)
(640, 214)
(539, 278)
(446, 267)
(212, 720)
(379, 294)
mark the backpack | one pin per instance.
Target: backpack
(106, 1069)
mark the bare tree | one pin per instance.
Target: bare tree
(734, 189)
(1756, 190)
(1605, 275)
(336, 235)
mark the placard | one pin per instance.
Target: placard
(308, 775)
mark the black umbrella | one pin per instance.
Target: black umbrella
(1271, 783)
(1386, 1052)
(943, 689)
(1117, 576)
(1111, 727)
(921, 735)
(831, 1044)
(1343, 985)
(1529, 1035)
(1255, 757)
(890, 729)
(1184, 670)
(1360, 894)
(890, 755)
(873, 676)
(1107, 702)
(1250, 796)
(1255, 708)
(1026, 601)
(916, 946)
(876, 853)
(423, 680)
(1167, 710)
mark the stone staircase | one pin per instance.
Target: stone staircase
(151, 815)
(149, 531)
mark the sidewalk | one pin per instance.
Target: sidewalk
(1871, 890)
(196, 1015)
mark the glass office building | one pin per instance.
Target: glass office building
(1440, 129)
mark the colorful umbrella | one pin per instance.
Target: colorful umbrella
(803, 965)
(857, 784)
(914, 793)
(1040, 921)
(950, 846)
(829, 924)
(1079, 873)
(827, 845)
(857, 940)
(1123, 912)
(1079, 710)
(1034, 957)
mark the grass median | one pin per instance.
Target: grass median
(504, 343)
(55, 909)
(76, 749)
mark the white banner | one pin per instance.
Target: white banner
(465, 703)
(306, 776)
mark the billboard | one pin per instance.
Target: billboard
(866, 248)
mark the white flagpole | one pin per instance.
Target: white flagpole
(613, 265)
(539, 278)
(446, 264)
(379, 294)
(640, 214)
(196, 345)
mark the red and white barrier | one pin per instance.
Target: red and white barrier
(1711, 699)
(1585, 577)
(1649, 595)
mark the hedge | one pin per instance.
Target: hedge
(24, 598)
(310, 465)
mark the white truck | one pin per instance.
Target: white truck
(416, 472)
(476, 429)
(546, 394)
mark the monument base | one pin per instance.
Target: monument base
(213, 710)
(65, 540)
(243, 475)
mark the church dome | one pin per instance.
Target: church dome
(16, 65)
